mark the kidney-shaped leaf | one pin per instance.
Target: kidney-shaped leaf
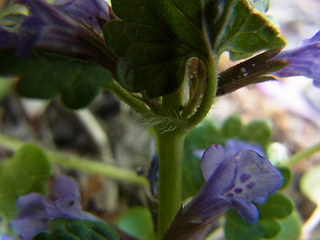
(26, 172)
(155, 38)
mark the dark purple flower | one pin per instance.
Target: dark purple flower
(233, 179)
(35, 211)
(303, 61)
(68, 27)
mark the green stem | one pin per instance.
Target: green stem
(126, 97)
(209, 94)
(82, 164)
(212, 81)
(303, 154)
(170, 150)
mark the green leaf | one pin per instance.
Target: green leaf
(278, 206)
(75, 229)
(155, 46)
(258, 131)
(199, 138)
(270, 228)
(232, 127)
(26, 172)
(45, 75)
(290, 227)
(203, 135)
(237, 228)
(242, 31)
(137, 222)
(271, 214)
(309, 184)
(260, 5)
(286, 175)
(5, 87)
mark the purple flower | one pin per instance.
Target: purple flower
(303, 61)
(68, 27)
(35, 211)
(6, 237)
(233, 146)
(233, 179)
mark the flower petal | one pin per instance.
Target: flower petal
(233, 146)
(246, 209)
(303, 61)
(211, 159)
(65, 186)
(67, 206)
(88, 11)
(32, 217)
(256, 177)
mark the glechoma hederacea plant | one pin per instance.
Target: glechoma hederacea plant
(149, 54)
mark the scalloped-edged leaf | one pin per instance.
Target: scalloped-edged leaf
(155, 38)
(137, 222)
(75, 229)
(46, 75)
(243, 31)
(290, 227)
(26, 172)
(232, 127)
(278, 206)
(155, 41)
(258, 131)
(237, 228)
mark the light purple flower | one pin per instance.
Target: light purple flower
(35, 211)
(233, 179)
(68, 27)
(303, 61)
(6, 237)
(233, 146)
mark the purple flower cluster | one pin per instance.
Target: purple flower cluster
(235, 177)
(68, 27)
(35, 211)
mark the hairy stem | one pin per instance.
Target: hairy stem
(82, 164)
(129, 99)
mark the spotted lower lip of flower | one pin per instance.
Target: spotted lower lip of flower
(67, 27)
(232, 180)
(303, 60)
